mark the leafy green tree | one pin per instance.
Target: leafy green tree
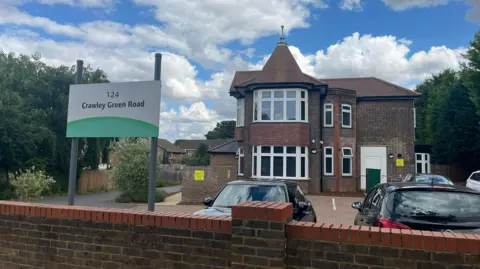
(456, 130)
(471, 72)
(130, 171)
(200, 158)
(223, 130)
(433, 93)
(33, 108)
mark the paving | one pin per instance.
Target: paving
(99, 199)
(329, 208)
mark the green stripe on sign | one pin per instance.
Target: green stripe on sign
(111, 127)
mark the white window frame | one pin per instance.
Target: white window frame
(346, 108)
(425, 159)
(298, 155)
(241, 155)
(350, 157)
(327, 107)
(414, 118)
(258, 101)
(240, 112)
(325, 156)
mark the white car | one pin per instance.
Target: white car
(473, 182)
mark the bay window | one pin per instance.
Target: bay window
(241, 158)
(240, 111)
(280, 105)
(328, 115)
(346, 116)
(287, 162)
(347, 156)
(328, 161)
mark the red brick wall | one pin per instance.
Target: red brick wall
(258, 235)
(291, 134)
(344, 246)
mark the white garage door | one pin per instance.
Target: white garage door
(372, 157)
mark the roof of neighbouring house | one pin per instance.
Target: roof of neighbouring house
(193, 144)
(168, 146)
(228, 147)
(281, 67)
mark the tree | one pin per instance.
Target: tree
(131, 170)
(456, 133)
(223, 130)
(200, 158)
(33, 108)
(433, 92)
(471, 72)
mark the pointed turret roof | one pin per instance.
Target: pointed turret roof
(281, 67)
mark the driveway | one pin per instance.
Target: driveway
(334, 210)
(99, 199)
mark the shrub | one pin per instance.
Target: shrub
(141, 197)
(30, 184)
(7, 191)
(130, 172)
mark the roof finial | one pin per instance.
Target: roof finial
(282, 39)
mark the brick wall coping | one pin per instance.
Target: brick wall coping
(221, 224)
(266, 211)
(412, 239)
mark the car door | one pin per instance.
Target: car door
(360, 217)
(308, 214)
(473, 181)
(371, 208)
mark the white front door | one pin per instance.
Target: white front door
(372, 157)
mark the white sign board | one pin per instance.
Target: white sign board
(127, 109)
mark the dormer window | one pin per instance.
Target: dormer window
(282, 105)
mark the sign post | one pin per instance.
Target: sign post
(153, 149)
(126, 109)
(72, 180)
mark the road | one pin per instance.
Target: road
(99, 199)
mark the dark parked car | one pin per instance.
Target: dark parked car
(239, 191)
(420, 206)
(428, 178)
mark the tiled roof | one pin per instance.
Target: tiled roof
(229, 147)
(281, 67)
(168, 146)
(193, 144)
(370, 87)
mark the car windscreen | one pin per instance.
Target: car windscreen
(237, 193)
(433, 206)
(435, 179)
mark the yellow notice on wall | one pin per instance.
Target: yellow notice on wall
(400, 163)
(228, 174)
(199, 175)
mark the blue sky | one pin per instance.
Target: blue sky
(205, 42)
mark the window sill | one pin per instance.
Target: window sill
(346, 127)
(328, 126)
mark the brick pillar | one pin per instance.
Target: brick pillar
(258, 234)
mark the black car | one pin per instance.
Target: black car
(239, 191)
(428, 178)
(420, 206)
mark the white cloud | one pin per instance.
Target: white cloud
(353, 5)
(188, 122)
(399, 5)
(384, 57)
(406, 4)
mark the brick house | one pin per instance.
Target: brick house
(323, 133)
